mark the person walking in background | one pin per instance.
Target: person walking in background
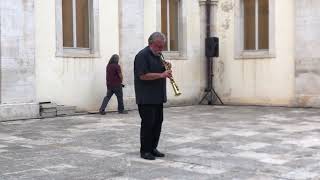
(150, 89)
(114, 85)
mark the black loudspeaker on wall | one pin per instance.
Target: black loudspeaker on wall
(212, 47)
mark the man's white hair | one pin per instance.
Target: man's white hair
(156, 35)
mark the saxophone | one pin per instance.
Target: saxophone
(173, 83)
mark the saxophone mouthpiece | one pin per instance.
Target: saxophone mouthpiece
(161, 56)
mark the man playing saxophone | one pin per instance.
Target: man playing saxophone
(150, 89)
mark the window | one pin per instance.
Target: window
(170, 23)
(75, 23)
(77, 28)
(254, 28)
(256, 24)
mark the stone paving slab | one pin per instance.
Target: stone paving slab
(200, 142)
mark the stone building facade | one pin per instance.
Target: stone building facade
(286, 73)
(52, 53)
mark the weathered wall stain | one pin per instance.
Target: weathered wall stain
(226, 24)
(227, 6)
(225, 15)
(219, 71)
(228, 93)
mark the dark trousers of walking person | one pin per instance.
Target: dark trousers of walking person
(118, 92)
(151, 123)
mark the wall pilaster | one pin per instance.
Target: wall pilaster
(17, 83)
(307, 54)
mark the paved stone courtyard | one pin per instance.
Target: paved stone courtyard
(200, 142)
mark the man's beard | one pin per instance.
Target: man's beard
(156, 54)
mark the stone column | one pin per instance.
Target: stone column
(307, 54)
(17, 58)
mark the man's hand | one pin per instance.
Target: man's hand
(167, 64)
(166, 74)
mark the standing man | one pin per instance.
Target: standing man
(114, 85)
(150, 89)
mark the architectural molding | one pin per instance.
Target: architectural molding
(19, 111)
(212, 2)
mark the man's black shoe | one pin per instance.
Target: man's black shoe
(123, 112)
(157, 153)
(102, 112)
(147, 156)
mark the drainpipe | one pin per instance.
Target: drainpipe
(209, 59)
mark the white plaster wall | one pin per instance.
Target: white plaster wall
(131, 13)
(73, 81)
(151, 23)
(189, 72)
(256, 81)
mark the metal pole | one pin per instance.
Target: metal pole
(209, 59)
(208, 19)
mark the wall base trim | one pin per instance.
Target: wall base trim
(19, 111)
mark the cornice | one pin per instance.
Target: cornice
(212, 2)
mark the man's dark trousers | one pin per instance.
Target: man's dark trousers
(118, 92)
(151, 123)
